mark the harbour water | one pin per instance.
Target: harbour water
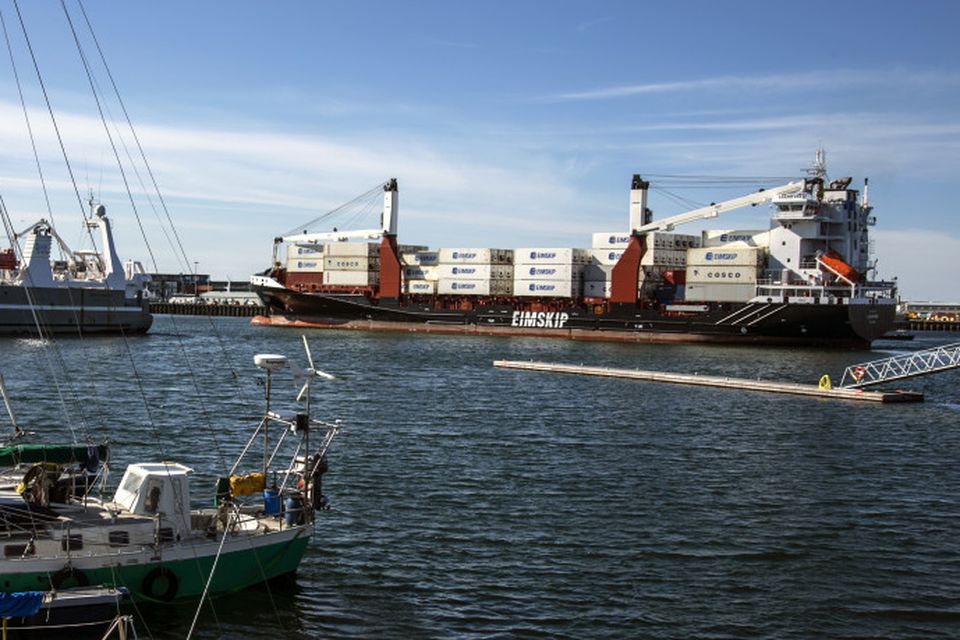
(470, 501)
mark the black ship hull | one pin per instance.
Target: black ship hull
(786, 323)
(74, 310)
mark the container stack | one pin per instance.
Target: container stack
(355, 264)
(606, 250)
(664, 258)
(419, 271)
(548, 272)
(305, 258)
(475, 272)
(722, 274)
(736, 238)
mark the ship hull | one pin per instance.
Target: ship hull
(75, 310)
(834, 325)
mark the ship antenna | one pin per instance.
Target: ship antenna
(819, 168)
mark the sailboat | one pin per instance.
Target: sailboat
(57, 533)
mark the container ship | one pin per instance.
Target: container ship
(805, 280)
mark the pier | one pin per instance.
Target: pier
(189, 309)
(857, 395)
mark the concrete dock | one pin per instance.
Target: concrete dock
(858, 395)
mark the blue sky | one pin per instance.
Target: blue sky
(507, 124)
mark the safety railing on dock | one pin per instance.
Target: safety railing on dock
(909, 365)
(233, 310)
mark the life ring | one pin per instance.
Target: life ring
(857, 373)
(165, 574)
(68, 574)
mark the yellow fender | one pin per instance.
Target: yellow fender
(825, 384)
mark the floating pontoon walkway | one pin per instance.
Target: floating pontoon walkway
(715, 381)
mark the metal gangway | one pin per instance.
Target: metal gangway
(908, 365)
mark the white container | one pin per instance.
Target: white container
(736, 238)
(596, 289)
(352, 249)
(464, 287)
(547, 288)
(411, 248)
(606, 257)
(420, 273)
(475, 271)
(672, 241)
(723, 275)
(694, 292)
(540, 255)
(351, 278)
(420, 287)
(725, 257)
(475, 256)
(419, 258)
(305, 265)
(543, 271)
(296, 251)
(345, 263)
(611, 240)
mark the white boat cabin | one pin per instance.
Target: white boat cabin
(157, 488)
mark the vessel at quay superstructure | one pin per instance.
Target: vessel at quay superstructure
(804, 280)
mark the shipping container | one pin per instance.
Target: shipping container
(304, 264)
(672, 241)
(611, 240)
(344, 263)
(475, 271)
(420, 287)
(311, 251)
(597, 272)
(726, 257)
(420, 258)
(570, 288)
(664, 258)
(699, 274)
(464, 287)
(606, 257)
(718, 292)
(420, 273)
(476, 256)
(596, 289)
(411, 248)
(543, 271)
(352, 249)
(736, 238)
(351, 278)
(536, 255)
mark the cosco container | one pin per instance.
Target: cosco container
(606, 257)
(540, 255)
(420, 273)
(352, 249)
(718, 292)
(611, 240)
(699, 274)
(543, 271)
(345, 263)
(736, 238)
(464, 287)
(727, 257)
(475, 271)
(420, 258)
(422, 287)
(476, 256)
(351, 278)
(305, 264)
(547, 288)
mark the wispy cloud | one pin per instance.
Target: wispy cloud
(774, 82)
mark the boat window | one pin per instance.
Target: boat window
(166, 534)
(133, 481)
(72, 542)
(152, 503)
(119, 538)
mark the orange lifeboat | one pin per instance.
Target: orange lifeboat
(835, 264)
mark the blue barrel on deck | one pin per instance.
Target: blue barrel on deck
(271, 501)
(294, 514)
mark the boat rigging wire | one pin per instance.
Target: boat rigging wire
(361, 199)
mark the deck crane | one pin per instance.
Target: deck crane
(387, 234)
(626, 273)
